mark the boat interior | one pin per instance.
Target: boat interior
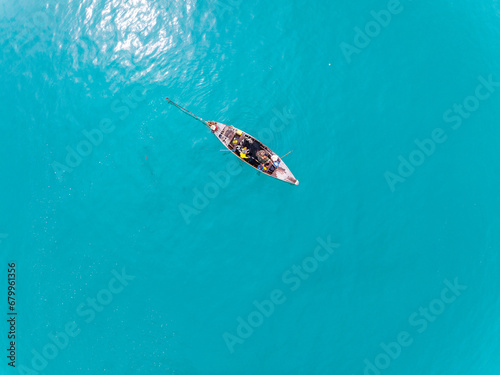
(256, 153)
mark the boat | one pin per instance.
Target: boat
(248, 149)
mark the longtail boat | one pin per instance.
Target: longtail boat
(247, 148)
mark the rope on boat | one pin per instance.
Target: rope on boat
(189, 113)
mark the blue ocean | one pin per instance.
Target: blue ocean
(131, 243)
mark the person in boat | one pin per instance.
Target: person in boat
(262, 157)
(243, 153)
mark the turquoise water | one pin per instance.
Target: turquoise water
(142, 249)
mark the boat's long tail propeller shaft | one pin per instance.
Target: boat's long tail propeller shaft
(187, 112)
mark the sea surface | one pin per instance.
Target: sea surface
(140, 248)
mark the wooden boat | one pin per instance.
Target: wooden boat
(248, 148)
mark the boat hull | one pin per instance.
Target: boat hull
(242, 144)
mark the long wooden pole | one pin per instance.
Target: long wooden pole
(189, 113)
